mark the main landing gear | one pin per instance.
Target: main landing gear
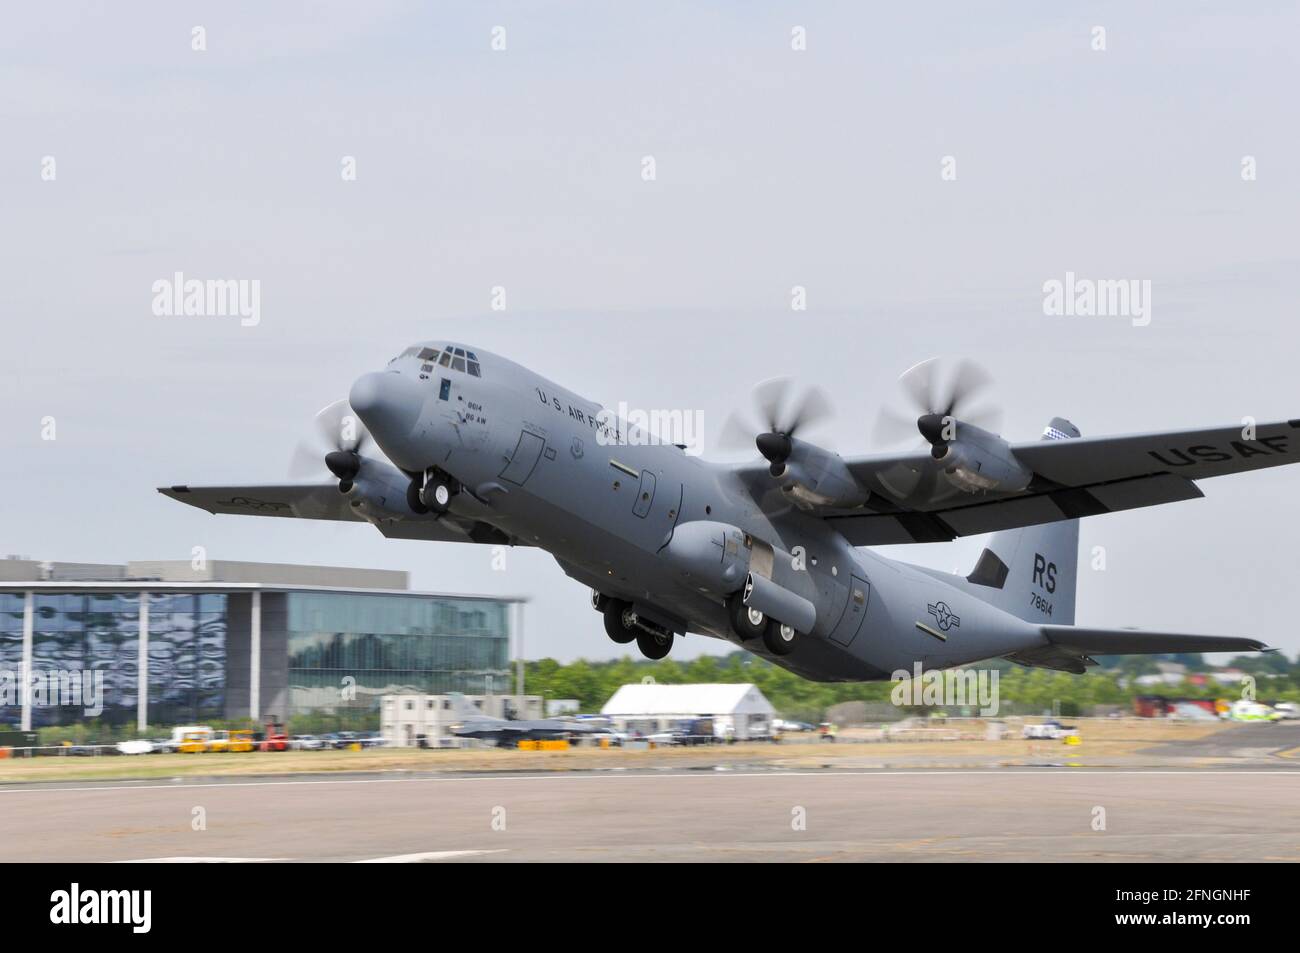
(748, 623)
(623, 625)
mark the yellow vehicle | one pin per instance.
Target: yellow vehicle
(240, 739)
(194, 742)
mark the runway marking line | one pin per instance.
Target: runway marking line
(204, 860)
(426, 857)
(102, 786)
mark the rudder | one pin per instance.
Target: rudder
(1032, 572)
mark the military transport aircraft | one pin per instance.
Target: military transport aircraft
(477, 449)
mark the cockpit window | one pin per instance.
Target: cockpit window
(451, 357)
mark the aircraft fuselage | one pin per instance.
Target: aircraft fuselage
(547, 467)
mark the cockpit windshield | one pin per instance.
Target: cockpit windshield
(456, 358)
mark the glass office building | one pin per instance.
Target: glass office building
(220, 646)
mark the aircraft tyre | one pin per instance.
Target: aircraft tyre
(413, 499)
(779, 638)
(620, 624)
(436, 494)
(654, 646)
(746, 622)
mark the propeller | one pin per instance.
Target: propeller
(938, 394)
(781, 414)
(339, 440)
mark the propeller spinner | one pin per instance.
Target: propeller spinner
(940, 396)
(781, 416)
(340, 439)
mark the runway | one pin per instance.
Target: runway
(1040, 814)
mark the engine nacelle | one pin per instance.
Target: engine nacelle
(714, 555)
(812, 476)
(979, 461)
(379, 493)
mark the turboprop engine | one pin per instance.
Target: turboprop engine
(972, 458)
(810, 475)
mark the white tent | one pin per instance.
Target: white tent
(739, 710)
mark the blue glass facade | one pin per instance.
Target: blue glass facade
(187, 657)
(319, 650)
(11, 656)
(84, 656)
(347, 650)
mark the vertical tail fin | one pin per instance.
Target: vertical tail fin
(1031, 572)
(464, 710)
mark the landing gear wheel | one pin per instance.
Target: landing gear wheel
(746, 622)
(780, 638)
(413, 499)
(654, 646)
(620, 621)
(436, 494)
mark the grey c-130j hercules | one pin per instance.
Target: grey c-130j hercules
(766, 554)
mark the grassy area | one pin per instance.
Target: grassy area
(1105, 740)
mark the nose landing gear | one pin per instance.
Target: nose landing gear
(434, 496)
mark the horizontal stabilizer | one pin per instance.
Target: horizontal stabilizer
(1070, 648)
(1139, 642)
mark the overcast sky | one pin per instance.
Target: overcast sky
(522, 168)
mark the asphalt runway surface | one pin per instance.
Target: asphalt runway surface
(1021, 814)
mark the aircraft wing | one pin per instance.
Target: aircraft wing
(323, 501)
(1071, 648)
(309, 501)
(912, 502)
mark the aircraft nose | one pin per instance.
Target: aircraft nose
(389, 404)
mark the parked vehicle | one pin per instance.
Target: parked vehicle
(194, 734)
(1050, 730)
(238, 739)
(788, 727)
(274, 739)
(194, 741)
